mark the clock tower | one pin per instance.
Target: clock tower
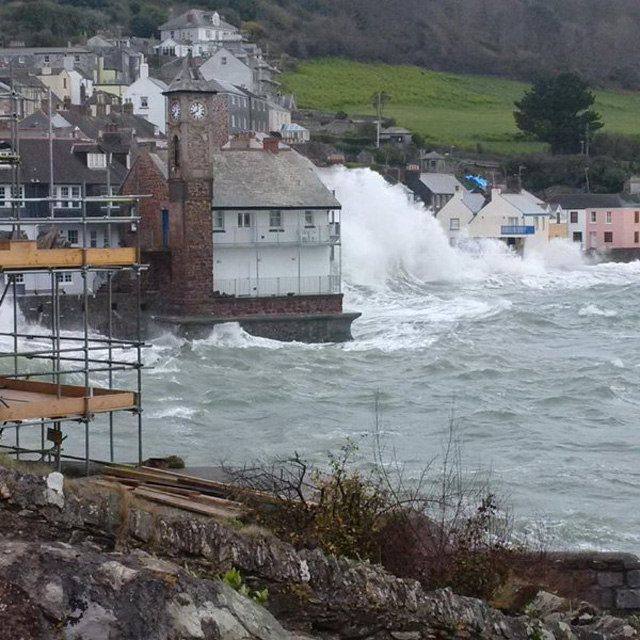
(197, 126)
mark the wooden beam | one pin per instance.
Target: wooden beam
(24, 254)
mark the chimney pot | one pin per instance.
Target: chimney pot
(271, 145)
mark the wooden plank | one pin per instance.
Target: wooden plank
(185, 504)
(223, 487)
(53, 407)
(51, 388)
(24, 254)
(135, 474)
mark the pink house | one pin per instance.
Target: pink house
(612, 228)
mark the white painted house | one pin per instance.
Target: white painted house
(276, 227)
(147, 97)
(196, 27)
(519, 219)
(224, 66)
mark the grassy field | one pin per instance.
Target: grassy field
(447, 109)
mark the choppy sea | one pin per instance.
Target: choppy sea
(534, 362)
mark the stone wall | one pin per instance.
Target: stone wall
(303, 318)
(607, 580)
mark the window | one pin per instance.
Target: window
(454, 224)
(275, 219)
(6, 193)
(608, 236)
(636, 236)
(308, 218)
(512, 221)
(594, 216)
(233, 120)
(96, 160)
(64, 83)
(223, 60)
(76, 58)
(47, 59)
(64, 277)
(608, 217)
(218, 220)
(573, 217)
(577, 236)
(636, 217)
(244, 219)
(20, 59)
(144, 102)
(72, 236)
(63, 192)
(93, 238)
(18, 278)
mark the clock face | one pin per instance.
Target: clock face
(197, 110)
(175, 110)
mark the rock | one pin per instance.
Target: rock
(60, 591)
(546, 603)
(54, 493)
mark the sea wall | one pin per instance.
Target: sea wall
(607, 580)
(300, 318)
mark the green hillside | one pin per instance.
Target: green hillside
(446, 109)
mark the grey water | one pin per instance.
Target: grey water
(534, 360)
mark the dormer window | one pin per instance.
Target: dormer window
(96, 161)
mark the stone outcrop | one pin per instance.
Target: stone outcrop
(308, 591)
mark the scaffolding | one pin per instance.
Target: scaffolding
(53, 379)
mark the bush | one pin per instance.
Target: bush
(445, 533)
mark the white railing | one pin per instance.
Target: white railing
(258, 287)
(319, 234)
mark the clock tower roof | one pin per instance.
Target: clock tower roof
(189, 79)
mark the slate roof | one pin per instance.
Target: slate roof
(524, 203)
(441, 182)
(262, 180)
(195, 18)
(473, 201)
(190, 79)
(68, 167)
(592, 201)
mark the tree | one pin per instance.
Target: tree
(557, 110)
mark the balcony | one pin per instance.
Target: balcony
(243, 236)
(260, 287)
(517, 230)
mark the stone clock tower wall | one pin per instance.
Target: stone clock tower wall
(197, 127)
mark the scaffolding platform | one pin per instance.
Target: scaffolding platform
(25, 254)
(30, 400)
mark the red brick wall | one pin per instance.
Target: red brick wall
(240, 307)
(144, 178)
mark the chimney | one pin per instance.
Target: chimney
(271, 144)
(127, 107)
(144, 70)
(242, 141)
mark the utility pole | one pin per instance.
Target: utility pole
(586, 175)
(586, 139)
(379, 112)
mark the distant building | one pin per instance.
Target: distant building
(146, 96)
(196, 27)
(434, 189)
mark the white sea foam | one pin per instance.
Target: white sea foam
(386, 237)
(593, 310)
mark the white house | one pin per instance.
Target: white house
(519, 219)
(225, 66)
(146, 96)
(276, 227)
(294, 133)
(198, 26)
(279, 116)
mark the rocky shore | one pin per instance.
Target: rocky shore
(79, 560)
